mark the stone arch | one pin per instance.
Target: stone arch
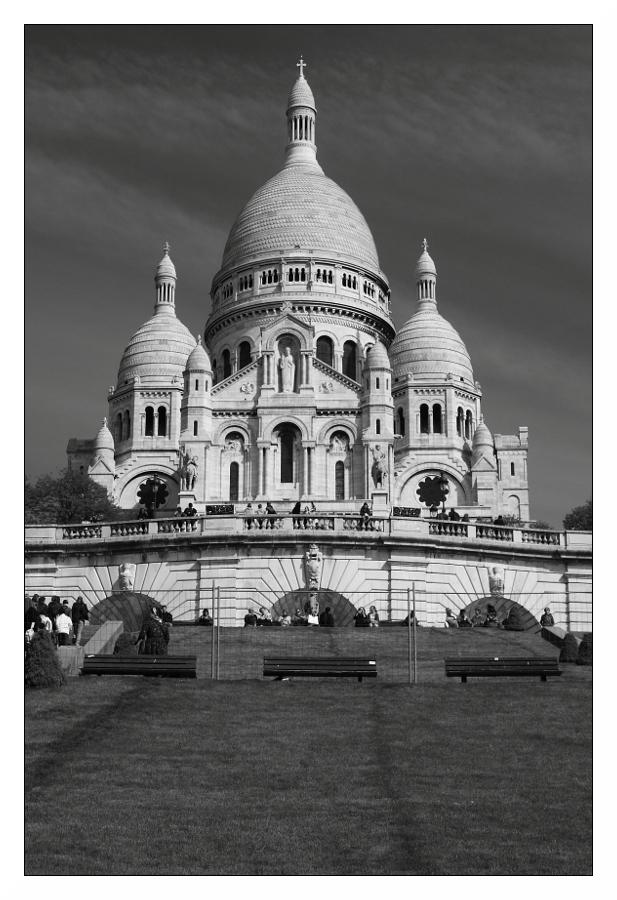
(123, 606)
(229, 425)
(135, 476)
(325, 435)
(282, 420)
(286, 328)
(342, 609)
(503, 605)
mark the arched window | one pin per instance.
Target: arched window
(127, 425)
(401, 422)
(234, 480)
(349, 359)
(377, 426)
(197, 384)
(118, 428)
(214, 376)
(287, 457)
(195, 428)
(514, 506)
(162, 429)
(377, 383)
(149, 421)
(468, 424)
(325, 350)
(226, 364)
(245, 354)
(339, 480)
(460, 421)
(424, 429)
(512, 469)
(437, 419)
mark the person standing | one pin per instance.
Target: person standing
(154, 634)
(63, 628)
(373, 618)
(79, 615)
(326, 618)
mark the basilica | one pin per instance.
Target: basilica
(301, 389)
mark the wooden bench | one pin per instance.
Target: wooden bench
(167, 666)
(319, 667)
(480, 667)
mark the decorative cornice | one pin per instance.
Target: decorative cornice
(339, 412)
(337, 376)
(237, 376)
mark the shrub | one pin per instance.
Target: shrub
(125, 646)
(569, 650)
(43, 667)
(515, 620)
(585, 651)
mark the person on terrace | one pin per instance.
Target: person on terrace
(205, 618)
(361, 618)
(154, 634)
(478, 617)
(451, 620)
(373, 618)
(547, 618)
(463, 620)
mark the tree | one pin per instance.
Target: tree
(580, 518)
(70, 498)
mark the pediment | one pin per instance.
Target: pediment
(99, 467)
(484, 464)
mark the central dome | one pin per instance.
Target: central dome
(300, 210)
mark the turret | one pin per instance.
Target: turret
(196, 414)
(301, 116)
(426, 279)
(378, 422)
(165, 280)
(102, 465)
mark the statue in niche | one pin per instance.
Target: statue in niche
(339, 443)
(127, 576)
(234, 445)
(496, 578)
(288, 371)
(380, 467)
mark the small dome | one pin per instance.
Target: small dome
(198, 358)
(104, 439)
(166, 268)
(160, 347)
(427, 345)
(301, 94)
(425, 265)
(482, 436)
(377, 357)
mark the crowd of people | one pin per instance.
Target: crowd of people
(262, 617)
(489, 618)
(65, 624)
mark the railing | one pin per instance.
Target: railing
(341, 522)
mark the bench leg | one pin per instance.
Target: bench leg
(542, 677)
(463, 679)
(359, 677)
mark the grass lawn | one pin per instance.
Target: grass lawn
(136, 776)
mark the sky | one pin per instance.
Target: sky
(475, 137)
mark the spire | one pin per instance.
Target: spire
(426, 278)
(301, 116)
(165, 280)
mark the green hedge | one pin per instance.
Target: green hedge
(43, 667)
(569, 650)
(585, 651)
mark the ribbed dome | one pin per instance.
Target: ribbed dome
(298, 210)
(425, 265)
(377, 357)
(198, 358)
(104, 439)
(301, 94)
(482, 437)
(160, 347)
(427, 345)
(166, 267)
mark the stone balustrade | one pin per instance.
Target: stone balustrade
(342, 522)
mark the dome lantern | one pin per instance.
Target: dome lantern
(426, 277)
(165, 280)
(301, 115)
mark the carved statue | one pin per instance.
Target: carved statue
(339, 443)
(127, 576)
(380, 467)
(188, 470)
(233, 446)
(288, 371)
(496, 579)
(313, 559)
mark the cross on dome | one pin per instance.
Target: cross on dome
(425, 245)
(166, 248)
(301, 66)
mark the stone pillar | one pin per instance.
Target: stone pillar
(305, 470)
(338, 360)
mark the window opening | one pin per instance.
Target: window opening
(149, 421)
(437, 419)
(424, 429)
(339, 480)
(325, 350)
(162, 429)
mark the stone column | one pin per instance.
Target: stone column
(338, 360)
